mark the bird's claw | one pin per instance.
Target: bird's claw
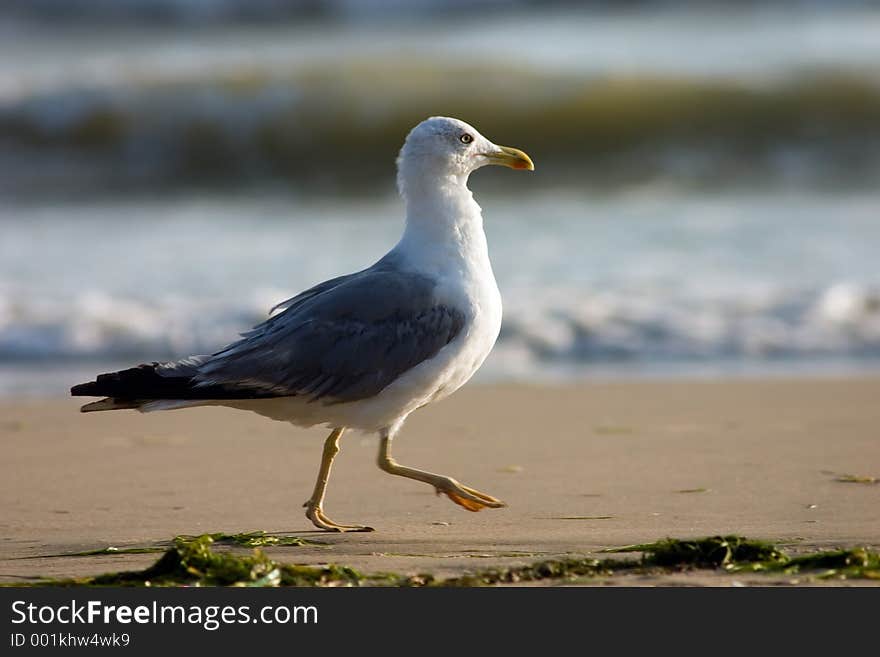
(469, 498)
(321, 521)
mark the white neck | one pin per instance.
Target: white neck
(444, 227)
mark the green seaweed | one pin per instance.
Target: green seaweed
(852, 563)
(192, 561)
(110, 549)
(710, 552)
(611, 430)
(245, 539)
(553, 569)
(330, 575)
(729, 553)
(739, 554)
(253, 539)
(856, 479)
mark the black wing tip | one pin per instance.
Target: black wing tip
(84, 389)
(105, 384)
(144, 383)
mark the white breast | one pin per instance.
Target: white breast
(455, 254)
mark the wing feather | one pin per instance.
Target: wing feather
(341, 343)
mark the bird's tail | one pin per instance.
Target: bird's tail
(131, 388)
(155, 387)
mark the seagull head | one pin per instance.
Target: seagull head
(445, 149)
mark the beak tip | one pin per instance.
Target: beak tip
(513, 158)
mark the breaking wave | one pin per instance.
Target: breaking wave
(100, 110)
(311, 130)
(543, 329)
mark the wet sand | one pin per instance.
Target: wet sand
(582, 468)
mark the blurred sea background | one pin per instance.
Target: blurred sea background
(706, 199)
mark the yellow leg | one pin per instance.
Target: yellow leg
(470, 499)
(315, 505)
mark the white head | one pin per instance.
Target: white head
(448, 150)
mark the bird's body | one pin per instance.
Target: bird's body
(461, 275)
(365, 350)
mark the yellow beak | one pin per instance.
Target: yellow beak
(511, 157)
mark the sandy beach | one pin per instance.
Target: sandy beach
(582, 468)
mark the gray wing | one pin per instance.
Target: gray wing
(341, 341)
(302, 297)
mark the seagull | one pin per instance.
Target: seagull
(364, 350)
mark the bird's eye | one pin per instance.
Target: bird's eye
(466, 138)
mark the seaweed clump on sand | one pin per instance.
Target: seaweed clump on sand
(711, 552)
(739, 554)
(853, 563)
(191, 561)
(252, 539)
(553, 569)
(729, 553)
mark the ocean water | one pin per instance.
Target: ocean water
(651, 282)
(750, 41)
(780, 92)
(707, 199)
